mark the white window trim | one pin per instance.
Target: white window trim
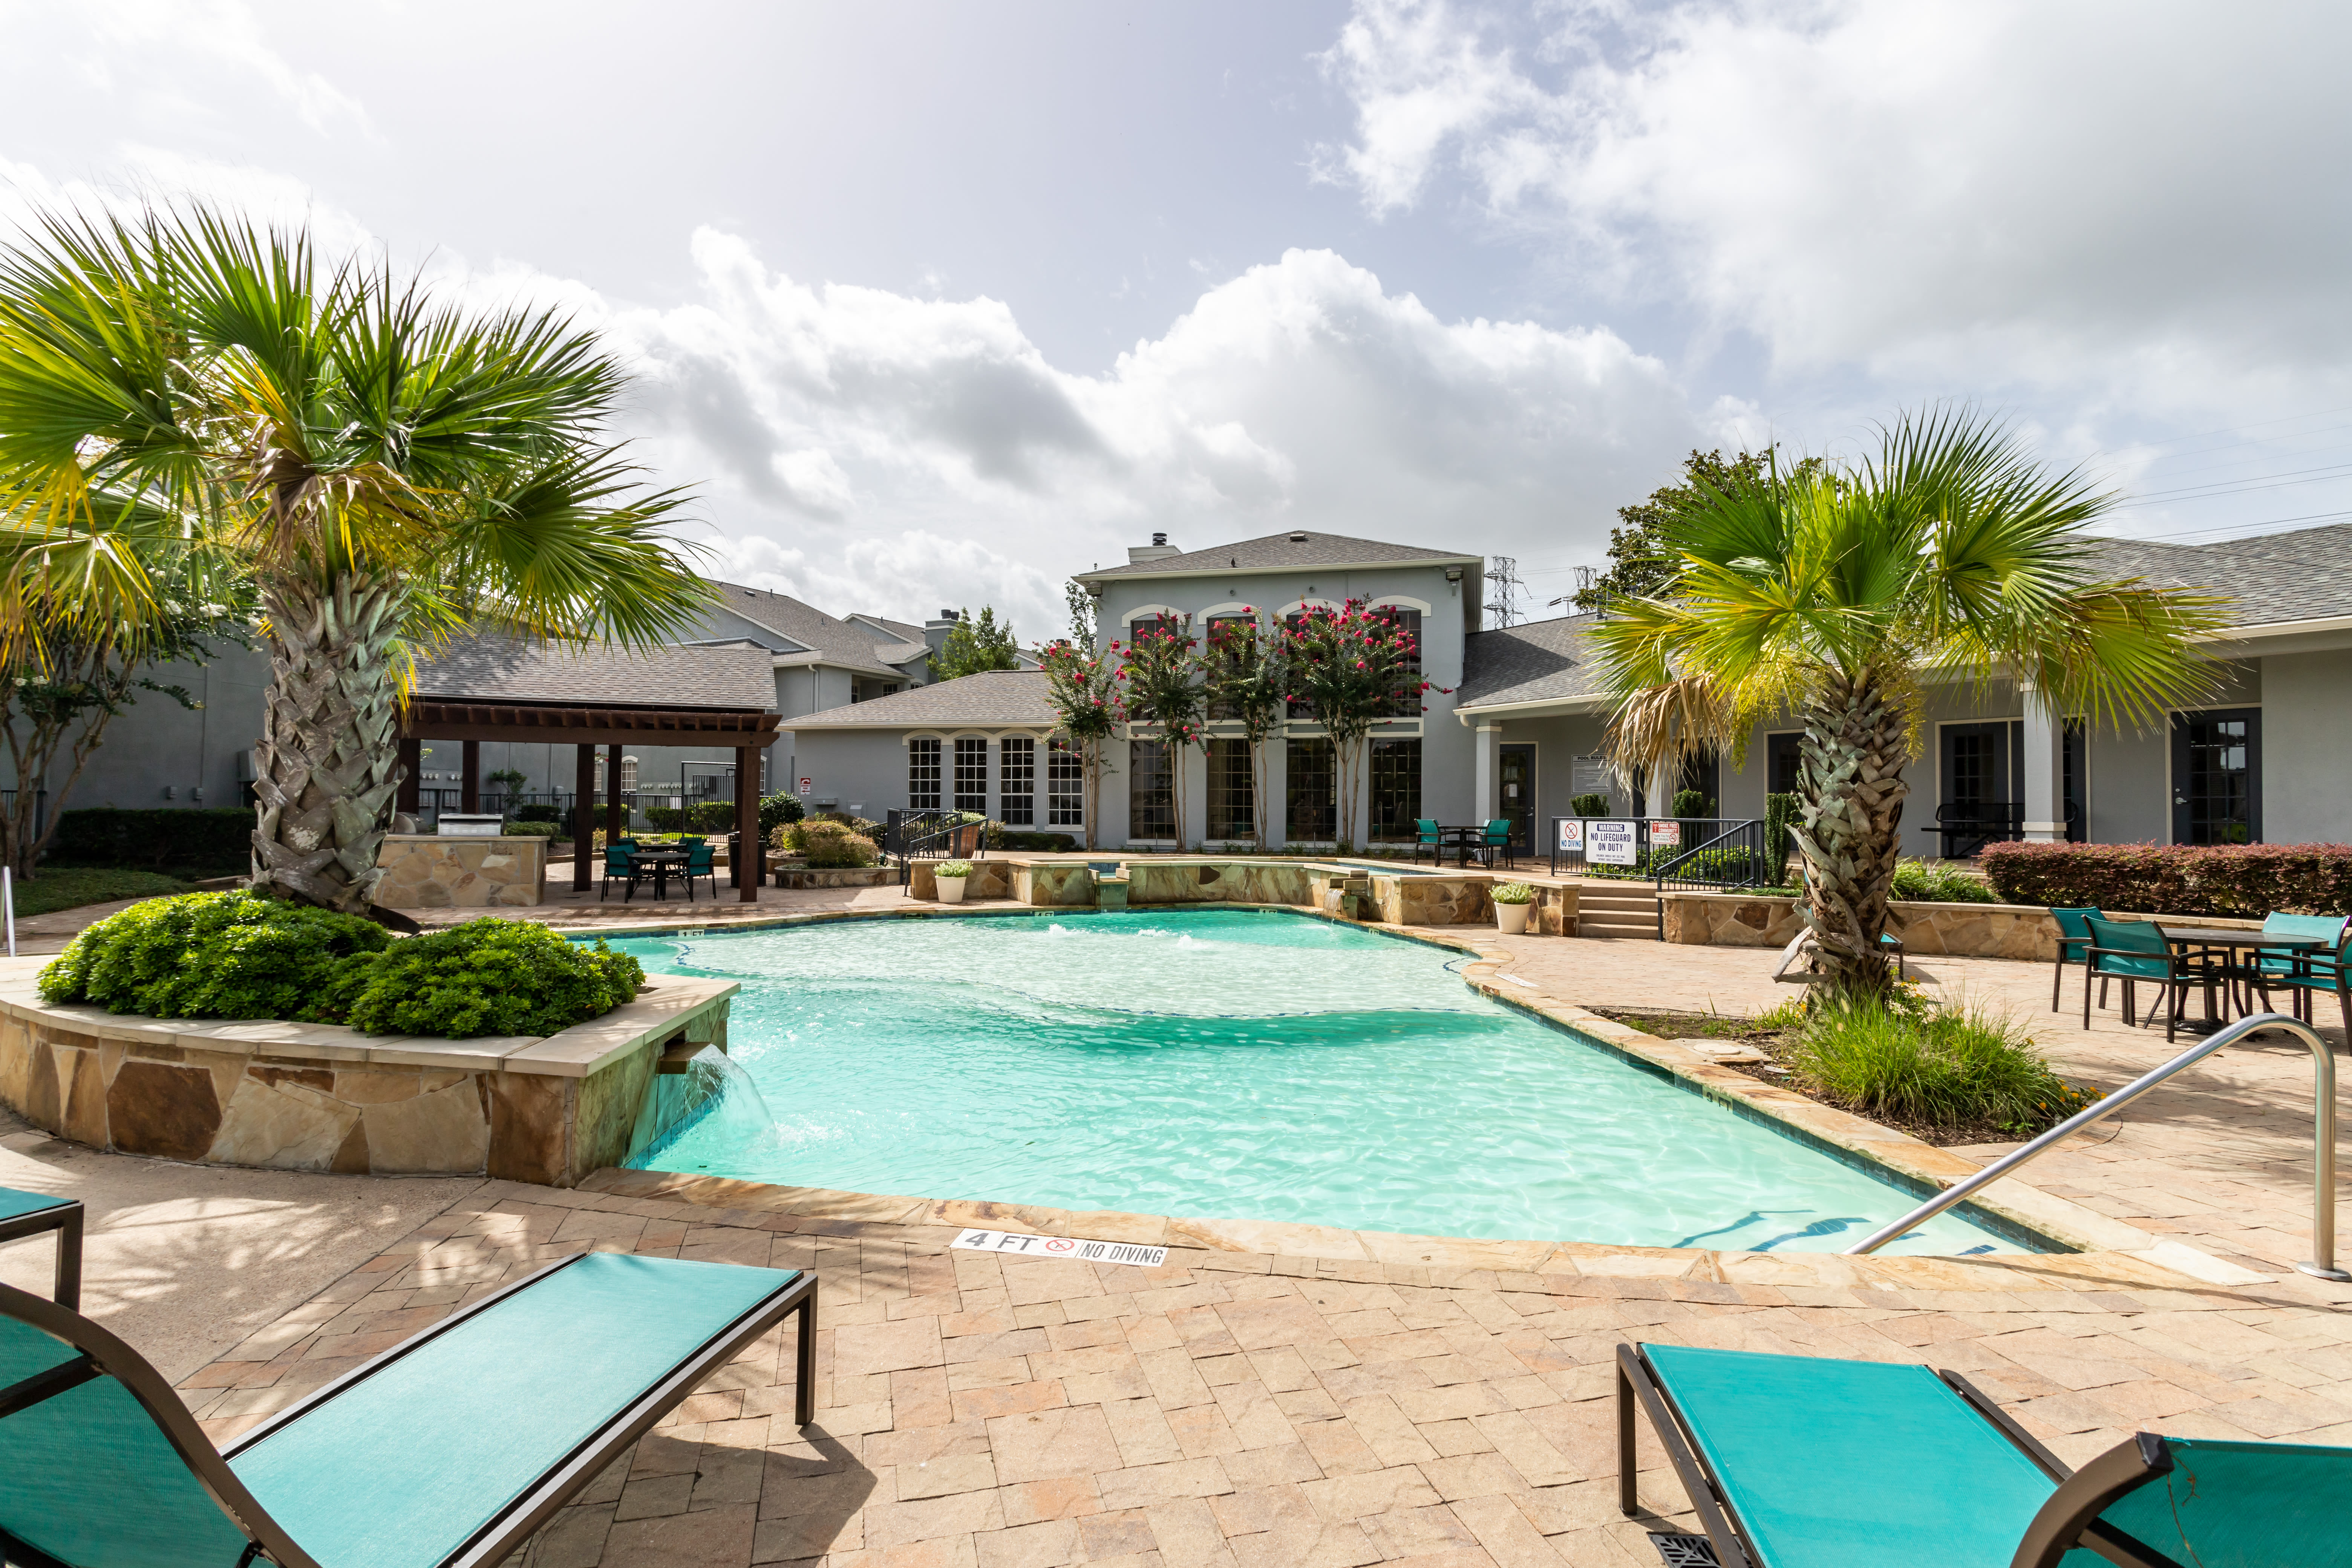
(1401, 602)
(1234, 611)
(1150, 612)
(1297, 605)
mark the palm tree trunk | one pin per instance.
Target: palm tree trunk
(327, 769)
(1849, 824)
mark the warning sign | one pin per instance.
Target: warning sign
(807, 785)
(1072, 1247)
(1666, 833)
(1572, 835)
(1610, 843)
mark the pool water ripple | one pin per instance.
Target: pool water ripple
(1234, 1064)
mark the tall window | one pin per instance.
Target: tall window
(1065, 786)
(1151, 791)
(1244, 626)
(971, 774)
(1017, 781)
(1232, 795)
(1311, 797)
(1396, 789)
(922, 774)
(1408, 622)
(1297, 710)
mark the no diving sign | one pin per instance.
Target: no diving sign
(1061, 1247)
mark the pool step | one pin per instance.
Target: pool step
(1628, 910)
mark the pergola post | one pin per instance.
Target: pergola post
(750, 857)
(470, 798)
(411, 762)
(584, 818)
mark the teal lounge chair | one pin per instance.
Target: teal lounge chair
(450, 1448)
(1792, 1462)
(2134, 951)
(29, 1213)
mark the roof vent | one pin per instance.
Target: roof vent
(1159, 541)
(1158, 549)
(1299, 537)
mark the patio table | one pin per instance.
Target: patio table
(664, 864)
(2231, 943)
(1461, 840)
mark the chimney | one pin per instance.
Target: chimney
(1158, 549)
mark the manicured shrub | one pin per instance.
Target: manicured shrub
(2251, 879)
(829, 845)
(531, 829)
(211, 955)
(702, 816)
(1939, 884)
(211, 838)
(489, 976)
(1589, 805)
(1779, 810)
(1037, 841)
(1923, 1065)
(538, 812)
(776, 810)
(1692, 803)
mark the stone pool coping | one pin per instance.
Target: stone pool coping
(2109, 1249)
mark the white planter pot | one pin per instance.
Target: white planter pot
(950, 888)
(1511, 920)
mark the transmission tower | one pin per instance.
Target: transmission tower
(1504, 572)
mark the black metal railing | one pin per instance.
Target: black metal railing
(912, 836)
(1634, 847)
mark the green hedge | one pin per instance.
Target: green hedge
(2247, 880)
(211, 837)
(702, 816)
(776, 810)
(236, 955)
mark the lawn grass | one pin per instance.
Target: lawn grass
(70, 887)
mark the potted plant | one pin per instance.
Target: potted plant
(951, 877)
(1512, 901)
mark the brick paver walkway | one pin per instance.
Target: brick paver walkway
(1251, 1409)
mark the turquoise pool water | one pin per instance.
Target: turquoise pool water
(1238, 1064)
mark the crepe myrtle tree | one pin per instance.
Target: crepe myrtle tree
(1836, 594)
(386, 469)
(1353, 667)
(1161, 674)
(1083, 689)
(1248, 676)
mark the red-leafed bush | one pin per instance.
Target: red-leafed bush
(2252, 879)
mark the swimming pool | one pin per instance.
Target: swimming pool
(1234, 1064)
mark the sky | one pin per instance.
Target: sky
(935, 304)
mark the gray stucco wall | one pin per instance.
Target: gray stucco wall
(2307, 748)
(155, 744)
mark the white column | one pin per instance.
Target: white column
(1661, 781)
(1488, 804)
(2045, 762)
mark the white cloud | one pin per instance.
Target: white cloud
(2142, 205)
(222, 32)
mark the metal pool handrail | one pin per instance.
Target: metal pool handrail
(2323, 1139)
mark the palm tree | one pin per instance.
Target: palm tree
(386, 468)
(1838, 596)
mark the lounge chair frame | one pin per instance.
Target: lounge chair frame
(66, 1220)
(505, 1530)
(2069, 1517)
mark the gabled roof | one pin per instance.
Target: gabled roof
(2274, 578)
(1281, 551)
(490, 667)
(820, 639)
(993, 697)
(1538, 661)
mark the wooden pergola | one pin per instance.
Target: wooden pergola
(588, 725)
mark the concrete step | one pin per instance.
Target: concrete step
(1643, 929)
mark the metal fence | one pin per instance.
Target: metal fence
(1701, 852)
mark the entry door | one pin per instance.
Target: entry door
(1976, 767)
(1519, 796)
(2217, 776)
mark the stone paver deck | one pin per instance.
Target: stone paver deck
(1250, 1409)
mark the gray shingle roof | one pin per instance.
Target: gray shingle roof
(488, 668)
(1276, 551)
(2299, 576)
(830, 640)
(991, 697)
(1538, 661)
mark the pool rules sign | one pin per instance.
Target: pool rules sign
(1609, 843)
(1071, 1247)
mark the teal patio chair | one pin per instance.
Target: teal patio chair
(30, 1214)
(620, 866)
(2074, 945)
(449, 1449)
(2305, 972)
(1497, 841)
(1426, 835)
(2134, 951)
(1793, 1462)
(700, 862)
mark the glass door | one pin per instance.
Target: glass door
(1519, 796)
(2217, 776)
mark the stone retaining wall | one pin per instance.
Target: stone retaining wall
(2023, 932)
(314, 1096)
